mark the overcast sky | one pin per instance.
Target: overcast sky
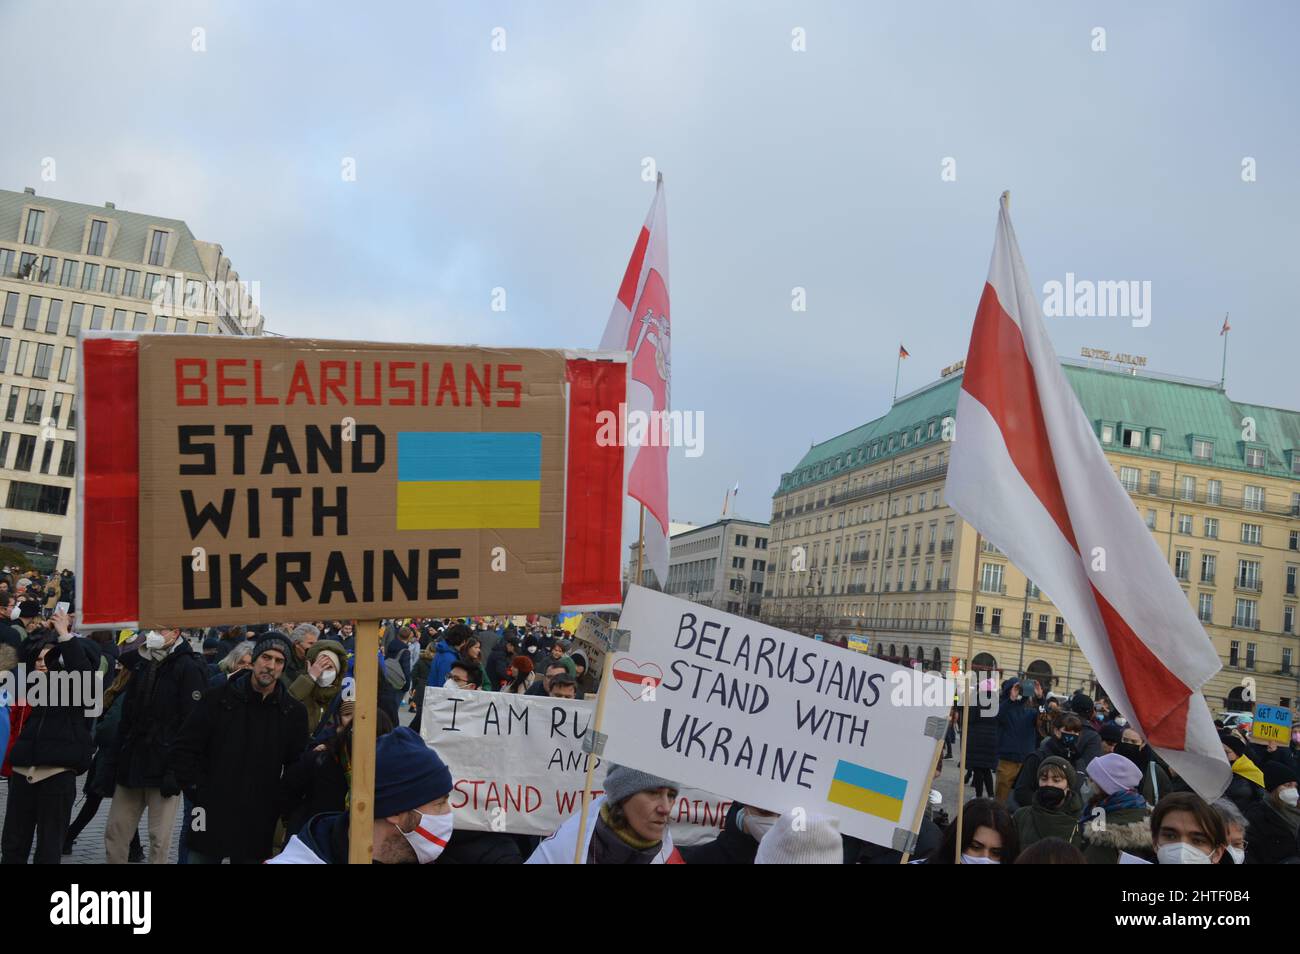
(821, 168)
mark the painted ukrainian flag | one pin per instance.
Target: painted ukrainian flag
(452, 480)
(869, 791)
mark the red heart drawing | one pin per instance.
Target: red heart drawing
(633, 677)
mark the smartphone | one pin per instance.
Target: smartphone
(60, 607)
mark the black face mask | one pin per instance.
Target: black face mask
(1134, 753)
(1049, 796)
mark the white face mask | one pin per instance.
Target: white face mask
(1290, 795)
(327, 678)
(972, 860)
(430, 836)
(756, 826)
(154, 640)
(451, 684)
(1238, 854)
(1181, 853)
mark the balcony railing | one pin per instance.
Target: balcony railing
(946, 547)
(929, 548)
(1239, 622)
(944, 585)
(1230, 501)
(900, 480)
(1249, 585)
(995, 588)
(858, 556)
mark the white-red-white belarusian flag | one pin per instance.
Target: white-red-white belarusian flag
(639, 322)
(1028, 472)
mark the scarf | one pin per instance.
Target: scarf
(1248, 770)
(612, 845)
(1120, 801)
(1290, 814)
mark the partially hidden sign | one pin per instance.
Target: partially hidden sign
(231, 479)
(518, 765)
(770, 718)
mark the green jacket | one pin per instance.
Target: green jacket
(1034, 822)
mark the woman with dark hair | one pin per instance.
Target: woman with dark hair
(988, 836)
(982, 739)
(1051, 851)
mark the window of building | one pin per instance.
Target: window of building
(110, 280)
(130, 283)
(1042, 626)
(68, 278)
(38, 498)
(991, 578)
(1202, 449)
(1205, 607)
(96, 317)
(1246, 614)
(160, 324)
(1129, 477)
(1250, 655)
(1255, 458)
(47, 456)
(1059, 632)
(4, 449)
(119, 319)
(74, 318)
(1291, 580)
(20, 361)
(742, 540)
(1107, 434)
(1185, 523)
(996, 626)
(158, 248)
(6, 262)
(183, 327)
(1248, 574)
(72, 414)
(1132, 438)
(151, 283)
(95, 241)
(4, 354)
(140, 322)
(33, 313)
(10, 313)
(1153, 482)
(979, 619)
(1211, 528)
(1213, 491)
(44, 358)
(26, 451)
(56, 411)
(35, 406)
(1156, 440)
(1182, 562)
(1151, 519)
(90, 277)
(35, 224)
(1234, 652)
(53, 315)
(1288, 626)
(1208, 566)
(1252, 498)
(11, 409)
(49, 265)
(737, 563)
(26, 264)
(1251, 532)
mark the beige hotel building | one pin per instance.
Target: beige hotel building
(65, 266)
(886, 558)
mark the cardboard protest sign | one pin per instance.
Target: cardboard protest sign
(229, 479)
(519, 767)
(1272, 724)
(590, 639)
(770, 718)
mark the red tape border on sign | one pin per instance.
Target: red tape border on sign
(110, 506)
(593, 512)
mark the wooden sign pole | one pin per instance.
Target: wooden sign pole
(365, 671)
(925, 797)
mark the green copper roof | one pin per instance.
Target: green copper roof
(1179, 410)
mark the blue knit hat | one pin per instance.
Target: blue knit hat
(408, 773)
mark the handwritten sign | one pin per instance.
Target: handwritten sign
(1272, 724)
(771, 718)
(518, 764)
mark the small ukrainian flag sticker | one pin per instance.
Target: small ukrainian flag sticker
(453, 480)
(866, 790)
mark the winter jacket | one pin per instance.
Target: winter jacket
(1017, 735)
(323, 840)
(316, 784)
(101, 780)
(1270, 840)
(155, 704)
(232, 750)
(314, 697)
(58, 735)
(498, 661)
(1241, 790)
(443, 658)
(1035, 822)
(1089, 747)
(1127, 829)
(733, 846)
(982, 744)
(1027, 781)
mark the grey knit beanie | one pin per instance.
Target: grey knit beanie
(621, 782)
(818, 843)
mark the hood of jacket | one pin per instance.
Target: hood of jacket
(1127, 830)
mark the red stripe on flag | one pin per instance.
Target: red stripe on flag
(623, 675)
(632, 277)
(110, 508)
(998, 375)
(1146, 681)
(593, 525)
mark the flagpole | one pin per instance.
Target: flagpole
(1223, 373)
(965, 700)
(898, 366)
(602, 693)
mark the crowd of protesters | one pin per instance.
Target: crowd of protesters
(245, 732)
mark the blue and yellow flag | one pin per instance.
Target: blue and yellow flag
(452, 480)
(866, 790)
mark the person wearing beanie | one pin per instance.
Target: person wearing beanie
(413, 815)
(232, 752)
(1055, 805)
(302, 637)
(317, 687)
(1273, 822)
(815, 840)
(1017, 734)
(1111, 736)
(1247, 784)
(626, 825)
(1062, 742)
(1117, 819)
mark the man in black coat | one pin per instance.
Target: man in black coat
(232, 750)
(167, 681)
(55, 745)
(737, 843)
